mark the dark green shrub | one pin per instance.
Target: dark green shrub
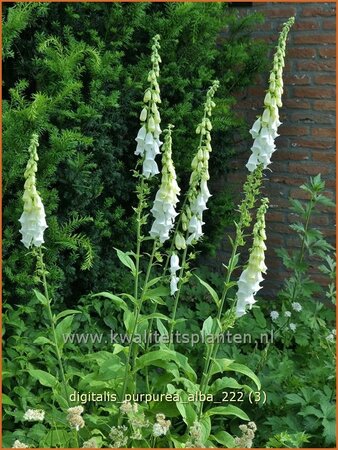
(76, 74)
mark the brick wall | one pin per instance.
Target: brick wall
(306, 145)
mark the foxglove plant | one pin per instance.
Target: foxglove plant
(148, 137)
(33, 221)
(33, 218)
(264, 130)
(166, 198)
(251, 277)
(199, 194)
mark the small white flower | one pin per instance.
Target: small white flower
(34, 415)
(296, 306)
(274, 315)
(158, 430)
(333, 331)
(287, 314)
(330, 337)
(292, 326)
(174, 267)
(18, 444)
(75, 410)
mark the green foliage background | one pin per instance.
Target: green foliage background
(76, 73)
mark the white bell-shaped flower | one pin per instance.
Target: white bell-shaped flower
(33, 218)
(251, 277)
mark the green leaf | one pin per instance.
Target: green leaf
(224, 438)
(219, 365)
(259, 316)
(241, 368)
(7, 401)
(42, 299)
(181, 361)
(227, 411)
(41, 340)
(62, 330)
(207, 326)
(117, 300)
(210, 289)
(154, 316)
(126, 260)
(206, 428)
(186, 410)
(161, 328)
(222, 383)
(161, 291)
(67, 312)
(45, 378)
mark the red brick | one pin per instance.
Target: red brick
(304, 143)
(311, 38)
(280, 12)
(325, 105)
(311, 117)
(306, 25)
(314, 92)
(300, 52)
(294, 155)
(288, 181)
(327, 65)
(297, 80)
(324, 156)
(329, 52)
(308, 168)
(273, 216)
(324, 132)
(320, 220)
(296, 103)
(315, 11)
(329, 24)
(325, 79)
(294, 131)
(299, 194)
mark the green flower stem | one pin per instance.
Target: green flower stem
(213, 348)
(252, 189)
(52, 323)
(137, 314)
(177, 296)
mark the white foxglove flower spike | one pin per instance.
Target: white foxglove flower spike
(148, 137)
(33, 218)
(198, 191)
(251, 277)
(264, 130)
(167, 196)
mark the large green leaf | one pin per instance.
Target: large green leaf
(63, 330)
(241, 368)
(67, 312)
(126, 260)
(166, 355)
(42, 299)
(115, 299)
(223, 383)
(224, 438)
(45, 378)
(229, 410)
(210, 289)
